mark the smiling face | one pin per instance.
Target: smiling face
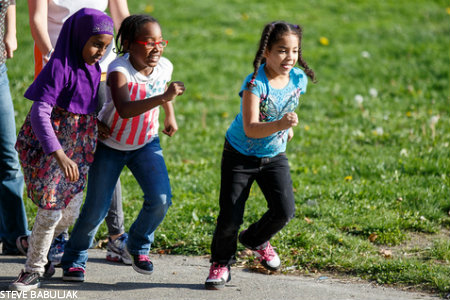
(145, 57)
(95, 48)
(282, 56)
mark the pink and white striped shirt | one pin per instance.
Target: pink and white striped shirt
(134, 133)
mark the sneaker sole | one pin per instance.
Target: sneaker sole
(217, 285)
(265, 265)
(73, 279)
(114, 257)
(141, 271)
(23, 288)
(214, 287)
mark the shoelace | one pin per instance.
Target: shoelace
(217, 270)
(143, 257)
(76, 270)
(267, 253)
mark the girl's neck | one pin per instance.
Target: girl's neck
(144, 70)
(276, 80)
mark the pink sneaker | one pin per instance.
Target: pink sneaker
(265, 253)
(218, 276)
(268, 257)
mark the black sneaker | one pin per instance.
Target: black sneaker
(142, 264)
(49, 270)
(25, 282)
(74, 274)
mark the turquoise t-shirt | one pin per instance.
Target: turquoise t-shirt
(274, 104)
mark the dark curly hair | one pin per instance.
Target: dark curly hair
(129, 30)
(271, 34)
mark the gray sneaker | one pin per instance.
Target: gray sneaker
(116, 250)
(25, 282)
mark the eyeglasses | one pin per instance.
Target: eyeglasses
(151, 44)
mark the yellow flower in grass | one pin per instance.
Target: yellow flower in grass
(307, 128)
(348, 178)
(245, 16)
(448, 10)
(409, 114)
(149, 9)
(228, 31)
(324, 41)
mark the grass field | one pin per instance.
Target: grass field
(369, 159)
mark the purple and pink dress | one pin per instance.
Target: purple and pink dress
(63, 114)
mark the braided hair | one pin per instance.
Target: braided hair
(129, 30)
(271, 34)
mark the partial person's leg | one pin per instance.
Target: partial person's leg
(114, 218)
(40, 239)
(102, 177)
(148, 167)
(39, 243)
(237, 178)
(69, 214)
(276, 184)
(13, 220)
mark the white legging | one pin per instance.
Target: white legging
(48, 225)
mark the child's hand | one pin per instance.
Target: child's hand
(289, 120)
(170, 126)
(104, 131)
(176, 88)
(68, 166)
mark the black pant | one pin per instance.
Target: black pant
(238, 174)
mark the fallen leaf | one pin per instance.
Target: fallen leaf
(308, 220)
(373, 237)
(386, 253)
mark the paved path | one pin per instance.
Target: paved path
(181, 277)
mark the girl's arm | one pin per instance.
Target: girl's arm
(253, 127)
(43, 129)
(119, 11)
(170, 123)
(127, 108)
(38, 10)
(10, 34)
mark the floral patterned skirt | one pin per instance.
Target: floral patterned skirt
(46, 184)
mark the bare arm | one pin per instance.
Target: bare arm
(253, 128)
(127, 108)
(170, 123)
(10, 34)
(38, 10)
(119, 11)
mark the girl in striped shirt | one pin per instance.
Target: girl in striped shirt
(138, 84)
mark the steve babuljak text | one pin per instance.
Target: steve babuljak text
(38, 294)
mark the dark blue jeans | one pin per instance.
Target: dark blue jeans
(13, 220)
(238, 174)
(148, 167)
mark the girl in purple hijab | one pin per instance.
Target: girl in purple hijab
(57, 140)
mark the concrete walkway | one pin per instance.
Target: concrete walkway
(181, 277)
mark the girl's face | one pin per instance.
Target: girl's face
(95, 48)
(283, 55)
(147, 49)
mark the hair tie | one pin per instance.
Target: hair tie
(252, 82)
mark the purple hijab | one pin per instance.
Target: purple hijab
(66, 80)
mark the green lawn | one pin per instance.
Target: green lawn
(369, 159)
